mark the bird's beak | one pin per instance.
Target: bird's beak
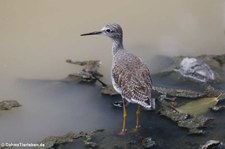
(92, 33)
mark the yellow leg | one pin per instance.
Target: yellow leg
(138, 112)
(124, 118)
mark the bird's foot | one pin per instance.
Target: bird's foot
(136, 129)
(123, 132)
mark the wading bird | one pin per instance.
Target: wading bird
(130, 76)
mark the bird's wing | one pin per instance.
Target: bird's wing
(134, 80)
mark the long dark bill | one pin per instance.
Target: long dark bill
(92, 33)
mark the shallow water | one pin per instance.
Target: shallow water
(37, 37)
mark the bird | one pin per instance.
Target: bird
(130, 76)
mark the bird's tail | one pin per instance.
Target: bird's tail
(149, 104)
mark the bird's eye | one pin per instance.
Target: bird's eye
(108, 30)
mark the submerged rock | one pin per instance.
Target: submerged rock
(53, 141)
(178, 92)
(9, 104)
(148, 143)
(195, 69)
(192, 123)
(109, 90)
(128, 141)
(218, 108)
(90, 144)
(212, 144)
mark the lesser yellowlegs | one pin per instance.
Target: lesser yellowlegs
(130, 76)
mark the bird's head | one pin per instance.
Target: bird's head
(114, 31)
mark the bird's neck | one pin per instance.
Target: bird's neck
(117, 45)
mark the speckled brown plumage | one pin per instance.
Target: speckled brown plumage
(131, 78)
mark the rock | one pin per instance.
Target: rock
(218, 108)
(97, 131)
(90, 144)
(109, 90)
(56, 141)
(9, 104)
(148, 143)
(115, 141)
(89, 73)
(192, 123)
(212, 92)
(203, 68)
(173, 115)
(52, 141)
(212, 144)
(178, 92)
(219, 58)
(87, 138)
(88, 141)
(195, 69)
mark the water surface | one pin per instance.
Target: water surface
(36, 37)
